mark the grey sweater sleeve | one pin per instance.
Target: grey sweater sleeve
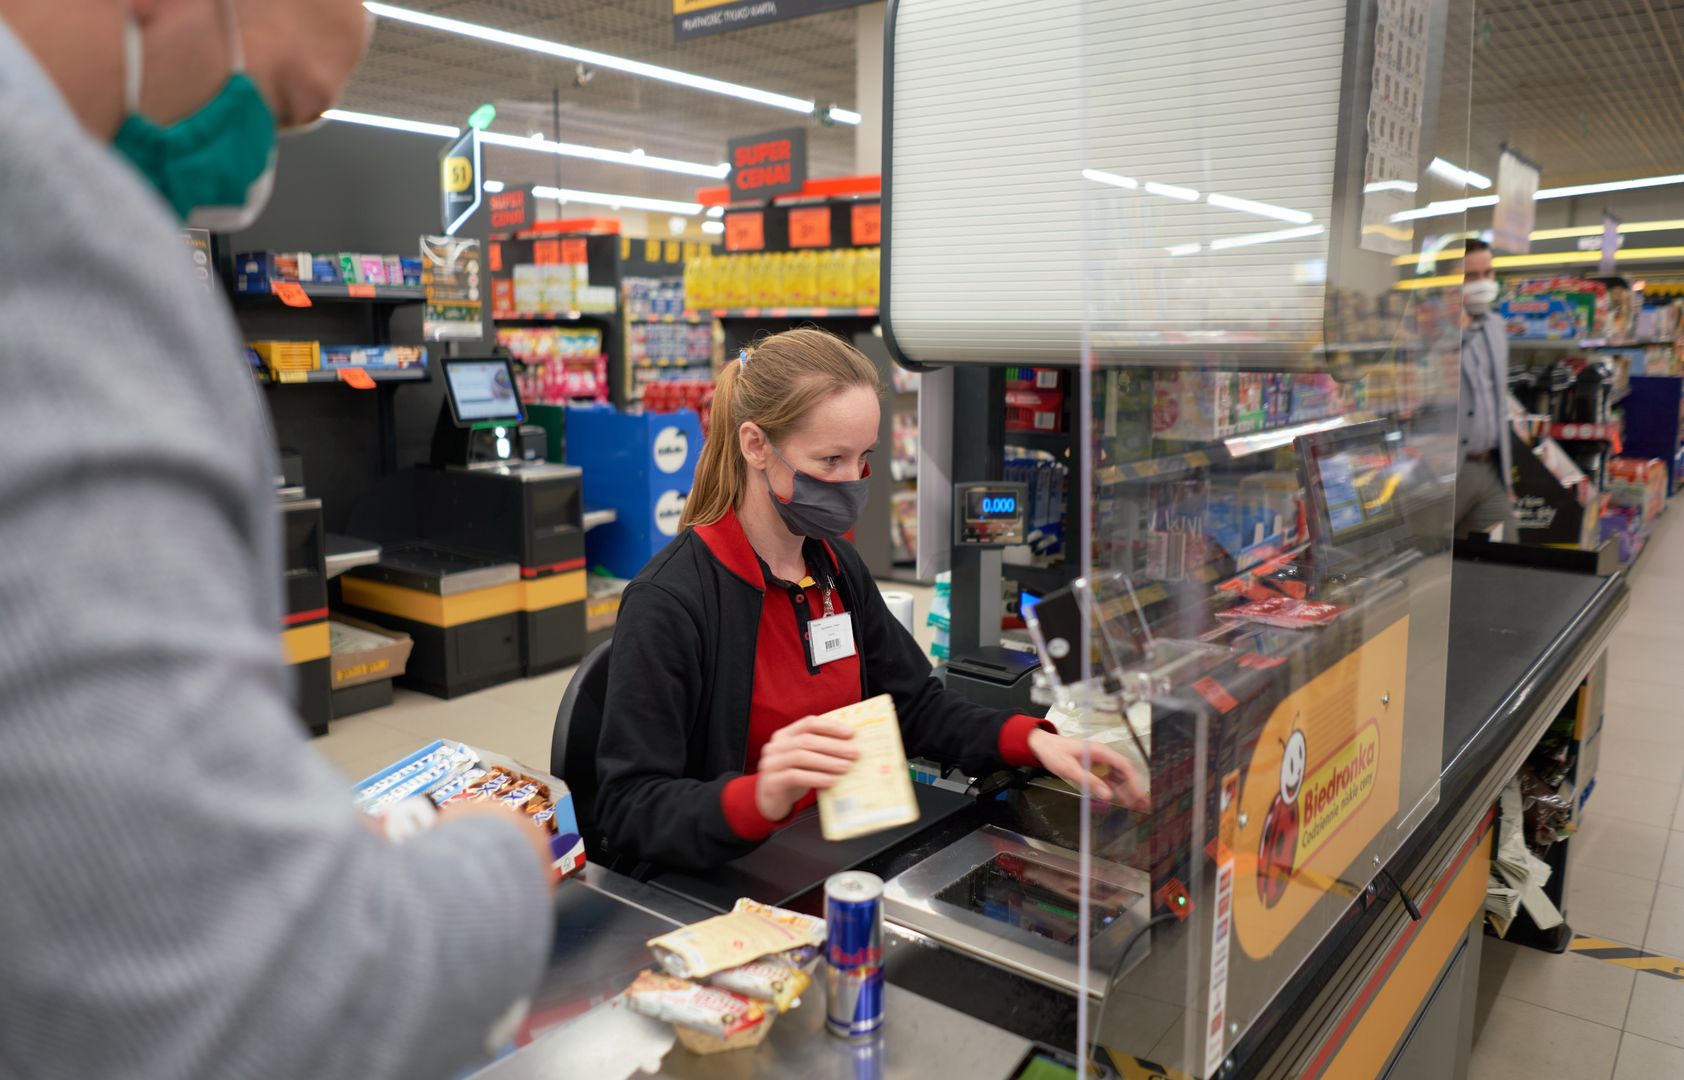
(187, 890)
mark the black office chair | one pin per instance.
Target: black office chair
(578, 724)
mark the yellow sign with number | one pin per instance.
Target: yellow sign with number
(458, 174)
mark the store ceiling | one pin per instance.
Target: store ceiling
(1592, 90)
(422, 74)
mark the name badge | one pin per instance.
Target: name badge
(831, 638)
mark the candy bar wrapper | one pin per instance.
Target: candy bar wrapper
(698, 1043)
(429, 766)
(706, 1009)
(770, 980)
(806, 958)
(728, 941)
(810, 927)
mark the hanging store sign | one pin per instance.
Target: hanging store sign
(459, 181)
(765, 165)
(1512, 217)
(699, 18)
(1610, 243)
(509, 211)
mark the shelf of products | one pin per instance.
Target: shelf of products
(379, 375)
(312, 361)
(328, 276)
(557, 364)
(555, 316)
(833, 282)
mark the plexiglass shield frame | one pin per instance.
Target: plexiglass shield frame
(1203, 214)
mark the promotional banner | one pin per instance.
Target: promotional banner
(699, 18)
(1512, 218)
(765, 165)
(459, 181)
(450, 276)
(510, 211)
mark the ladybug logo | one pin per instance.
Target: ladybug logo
(1278, 849)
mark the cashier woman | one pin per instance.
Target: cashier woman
(758, 619)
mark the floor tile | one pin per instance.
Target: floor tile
(1609, 905)
(1652, 661)
(477, 719)
(1643, 694)
(540, 696)
(1666, 923)
(1610, 843)
(1678, 814)
(360, 744)
(1672, 866)
(1522, 1041)
(1657, 1010)
(1661, 628)
(1647, 802)
(1642, 758)
(1576, 985)
(1646, 1059)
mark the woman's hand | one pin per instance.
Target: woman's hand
(808, 755)
(1113, 777)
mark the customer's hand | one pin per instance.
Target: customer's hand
(532, 831)
(808, 755)
(1113, 778)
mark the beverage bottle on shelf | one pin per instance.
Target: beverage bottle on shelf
(866, 278)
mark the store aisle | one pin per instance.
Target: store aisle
(1569, 1016)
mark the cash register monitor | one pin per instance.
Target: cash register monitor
(481, 392)
(1353, 494)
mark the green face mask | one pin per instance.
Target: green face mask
(216, 168)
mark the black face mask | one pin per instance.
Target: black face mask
(819, 509)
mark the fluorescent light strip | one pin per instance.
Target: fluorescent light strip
(1171, 191)
(845, 116)
(1243, 445)
(1390, 185)
(713, 228)
(1458, 175)
(716, 211)
(602, 60)
(493, 186)
(629, 202)
(393, 123)
(1113, 179)
(1612, 185)
(1543, 234)
(1185, 249)
(616, 157)
(1446, 206)
(1261, 209)
(1266, 238)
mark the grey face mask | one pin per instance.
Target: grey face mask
(819, 509)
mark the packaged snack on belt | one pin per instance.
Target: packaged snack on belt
(439, 772)
(706, 1009)
(413, 774)
(810, 926)
(521, 795)
(769, 980)
(542, 812)
(490, 784)
(806, 958)
(728, 941)
(453, 786)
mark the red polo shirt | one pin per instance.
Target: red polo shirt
(787, 685)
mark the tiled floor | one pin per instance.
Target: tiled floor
(1563, 1017)
(1573, 1018)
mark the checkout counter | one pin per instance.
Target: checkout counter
(1374, 974)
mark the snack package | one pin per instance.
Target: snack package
(876, 791)
(446, 772)
(1284, 611)
(685, 1004)
(729, 941)
(808, 925)
(769, 980)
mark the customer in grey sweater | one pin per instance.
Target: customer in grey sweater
(185, 889)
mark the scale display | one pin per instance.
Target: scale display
(990, 515)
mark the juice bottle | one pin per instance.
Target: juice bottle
(868, 285)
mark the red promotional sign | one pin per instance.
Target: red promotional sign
(745, 230)
(867, 224)
(809, 227)
(767, 165)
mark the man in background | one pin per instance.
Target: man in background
(1484, 480)
(188, 890)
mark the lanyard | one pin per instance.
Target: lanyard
(829, 585)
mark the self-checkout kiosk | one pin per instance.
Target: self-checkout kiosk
(483, 559)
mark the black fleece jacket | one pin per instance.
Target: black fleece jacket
(680, 681)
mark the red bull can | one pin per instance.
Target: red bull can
(853, 970)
